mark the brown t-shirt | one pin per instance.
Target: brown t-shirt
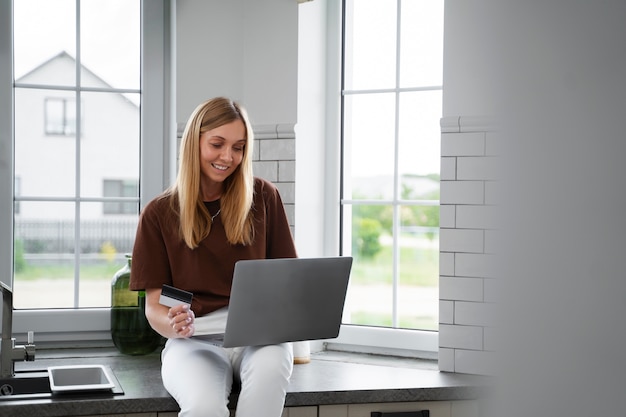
(160, 256)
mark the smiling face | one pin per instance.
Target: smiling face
(221, 151)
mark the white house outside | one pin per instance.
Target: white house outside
(46, 164)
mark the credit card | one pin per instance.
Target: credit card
(172, 296)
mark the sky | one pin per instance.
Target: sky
(109, 28)
(371, 64)
(110, 40)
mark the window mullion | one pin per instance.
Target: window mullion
(396, 176)
(78, 133)
(6, 142)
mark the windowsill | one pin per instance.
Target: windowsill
(330, 378)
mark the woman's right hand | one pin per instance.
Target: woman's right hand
(175, 322)
(181, 320)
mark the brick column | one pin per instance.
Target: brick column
(467, 245)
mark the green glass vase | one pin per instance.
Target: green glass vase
(130, 330)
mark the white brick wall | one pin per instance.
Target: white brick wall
(467, 243)
(274, 159)
(462, 240)
(462, 192)
(461, 288)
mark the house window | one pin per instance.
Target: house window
(60, 116)
(391, 107)
(120, 188)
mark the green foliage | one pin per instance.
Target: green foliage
(424, 216)
(383, 214)
(418, 267)
(371, 221)
(19, 263)
(366, 242)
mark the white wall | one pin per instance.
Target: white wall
(552, 75)
(311, 128)
(468, 57)
(246, 50)
(243, 49)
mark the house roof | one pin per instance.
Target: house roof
(64, 55)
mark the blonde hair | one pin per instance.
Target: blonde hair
(237, 197)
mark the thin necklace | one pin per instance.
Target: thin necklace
(214, 216)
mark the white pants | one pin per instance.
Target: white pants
(199, 376)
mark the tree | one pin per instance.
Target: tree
(424, 216)
(366, 239)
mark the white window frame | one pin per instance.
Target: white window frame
(91, 326)
(389, 341)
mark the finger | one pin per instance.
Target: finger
(180, 321)
(181, 308)
(189, 331)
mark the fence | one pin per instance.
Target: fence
(58, 236)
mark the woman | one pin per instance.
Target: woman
(190, 237)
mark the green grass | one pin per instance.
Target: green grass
(419, 267)
(87, 272)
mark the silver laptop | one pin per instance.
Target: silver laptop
(284, 300)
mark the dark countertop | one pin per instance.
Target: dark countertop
(330, 378)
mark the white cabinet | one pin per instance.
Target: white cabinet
(436, 408)
(300, 412)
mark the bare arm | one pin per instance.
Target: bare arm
(175, 322)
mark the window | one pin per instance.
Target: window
(391, 99)
(64, 249)
(120, 188)
(60, 116)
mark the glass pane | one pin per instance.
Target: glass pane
(418, 289)
(110, 44)
(120, 188)
(110, 145)
(370, 44)
(370, 296)
(104, 241)
(44, 255)
(45, 162)
(420, 134)
(369, 141)
(45, 42)
(45, 250)
(421, 43)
